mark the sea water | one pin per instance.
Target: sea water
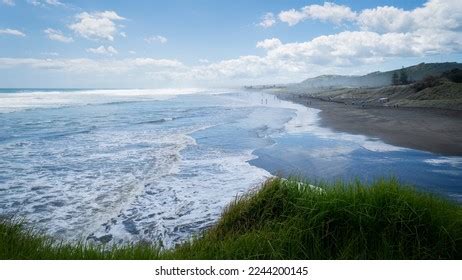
(121, 166)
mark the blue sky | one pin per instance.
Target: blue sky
(51, 43)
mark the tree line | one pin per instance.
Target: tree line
(400, 79)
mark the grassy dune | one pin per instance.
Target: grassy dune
(285, 220)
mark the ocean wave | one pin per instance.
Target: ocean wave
(179, 205)
(158, 121)
(442, 161)
(19, 101)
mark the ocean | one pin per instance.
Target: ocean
(122, 166)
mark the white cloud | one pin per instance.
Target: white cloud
(242, 67)
(13, 32)
(439, 14)
(434, 15)
(54, 2)
(385, 19)
(434, 28)
(44, 3)
(98, 25)
(123, 34)
(267, 20)
(330, 12)
(378, 35)
(350, 48)
(343, 49)
(203, 61)
(110, 50)
(269, 43)
(8, 2)
(156, 62)
(156, 39)
(57, 35)
(324, 54)
(92, 66)
(292, 17)
(132, 52)
(50, 53)
(384, 32)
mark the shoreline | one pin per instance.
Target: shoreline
(432, 130)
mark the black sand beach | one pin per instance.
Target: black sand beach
(434, 130)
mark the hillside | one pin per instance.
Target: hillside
(447, 95)
(379, 79)
(431, 85)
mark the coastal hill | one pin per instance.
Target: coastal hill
(381, 79)
(426, 85)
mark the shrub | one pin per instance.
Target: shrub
(455, 75)
(427, 82)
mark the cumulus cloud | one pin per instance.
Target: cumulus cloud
(156, 39)
(291, 17)
(269, 43)
(97, 25)
(433, 28)
(434, 15)
(285, 62)
(329, 12)
(381, 33)
(385, 19)
(267, 20)
(8, 2)
(343, 49)
(57, 35)
(13, 32)
(110, 50)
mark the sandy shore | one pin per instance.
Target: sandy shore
(434, 130)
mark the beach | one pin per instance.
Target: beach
(121, 166)
(434, 130)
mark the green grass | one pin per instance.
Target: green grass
(283, 220)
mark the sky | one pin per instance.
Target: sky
(208, 43)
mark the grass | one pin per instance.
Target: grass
(285, 220)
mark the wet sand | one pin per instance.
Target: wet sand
(433, 130)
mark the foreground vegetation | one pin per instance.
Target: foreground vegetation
(287, 220)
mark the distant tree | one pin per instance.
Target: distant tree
(403, 78)
(455, 75)
(395, 79)
(427, 82)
